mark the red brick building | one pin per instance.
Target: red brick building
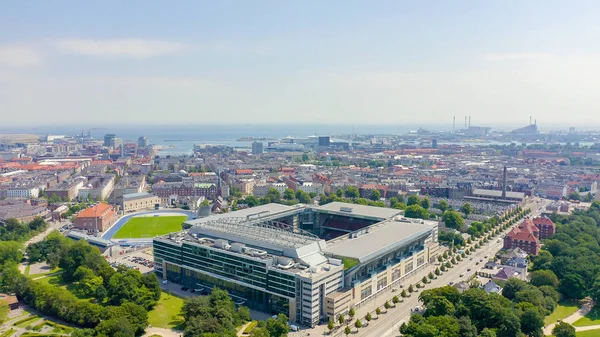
(545, 226)
(96, 218)
(525, 236)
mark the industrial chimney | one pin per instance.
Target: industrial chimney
(504, 183)
(469, 122)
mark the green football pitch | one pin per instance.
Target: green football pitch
(149, 226)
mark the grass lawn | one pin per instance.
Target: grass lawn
(166, 312)
(592, 318)
(562, 310)
(150, 226)
(589, 333)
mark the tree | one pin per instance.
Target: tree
(351, 192)
(562, 329)
(395, 300)
(424, 280)
(303, 197)
(375, 195)
(339, 193)
(437, 271)
(278, 327)
(532, 322)
(416, 211)
(487, 333)
(358, 324)
(10, 251)
(466, 327)
(439, 306)
(466, 209)
(368, 317)
(425, 203)
(573, 286)
(117, 327)
(136, 315)
(378, 311)
(443, 205)
(341, 319)
(544, 278)
(403, 293)
(431, 276)
(387, 305)
(452, 219)
(273, 195)
(351, 312)
(259, 332)
(413, 200)
(330, 325)
(574, 196)
(347, 330)
(288, 194)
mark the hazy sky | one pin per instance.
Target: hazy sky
(375, 62)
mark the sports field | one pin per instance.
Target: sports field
(149, 226)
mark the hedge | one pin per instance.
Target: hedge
(250, 327)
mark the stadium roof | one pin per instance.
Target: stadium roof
(354, 210)
(267, 231)
(379, 239)
(254, 212)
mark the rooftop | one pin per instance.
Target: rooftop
(371, 241)
(254, 212)
(498, 193)
(94, 211)
(371, 212)
(140, 195)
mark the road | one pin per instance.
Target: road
(388, 324)
(52, 226)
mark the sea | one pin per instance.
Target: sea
(180, 139)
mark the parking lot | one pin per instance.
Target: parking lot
(138, 260)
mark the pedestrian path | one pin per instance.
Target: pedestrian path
(584, 310)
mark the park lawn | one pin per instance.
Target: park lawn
(563, 309)
(592, 318)
(589, 333)
(56, 270)
(166, 313)
(150, 226)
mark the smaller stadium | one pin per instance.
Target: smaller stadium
(310, 262)
(150, 225)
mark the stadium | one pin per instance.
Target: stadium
(308, 262)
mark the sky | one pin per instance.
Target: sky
(299, 62)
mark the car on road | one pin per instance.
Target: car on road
(184, 289)
(469, 269)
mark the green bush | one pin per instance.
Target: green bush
(250, 327)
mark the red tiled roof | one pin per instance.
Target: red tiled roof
(525, 232)
(94, 211)
(543, 221)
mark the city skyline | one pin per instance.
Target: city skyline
(308, 63)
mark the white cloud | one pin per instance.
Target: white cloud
(19, 56)
(132, 48)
